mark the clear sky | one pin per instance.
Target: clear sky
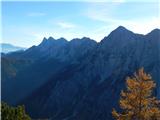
(25, 23)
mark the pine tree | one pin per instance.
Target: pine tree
(13, 113)
(137, 102)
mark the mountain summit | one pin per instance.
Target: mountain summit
(78, 79)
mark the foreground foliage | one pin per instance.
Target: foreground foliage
(137, 102)
(13, 113)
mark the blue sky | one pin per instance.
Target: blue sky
(25, 23)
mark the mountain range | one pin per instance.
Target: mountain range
(78, 79)
(6, 48)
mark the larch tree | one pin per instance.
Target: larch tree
(137, 101)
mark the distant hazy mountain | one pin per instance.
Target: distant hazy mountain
(78, 79)
(6, 48)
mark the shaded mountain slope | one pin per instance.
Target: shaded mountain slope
(87, 87)
(93, 88)
(48, 58)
